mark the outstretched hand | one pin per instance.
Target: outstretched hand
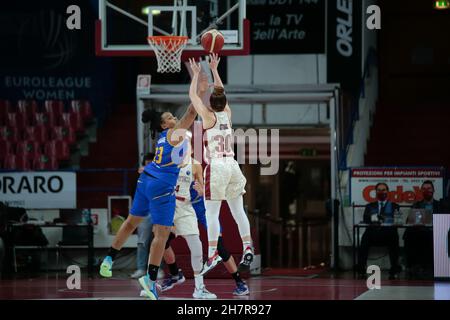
(214, 61)
(196, 67)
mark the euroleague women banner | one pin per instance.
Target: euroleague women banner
(404, 183)
(39, 190)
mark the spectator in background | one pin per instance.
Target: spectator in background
(376, 213)
(145, 236)
(419, 240)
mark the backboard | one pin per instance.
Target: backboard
(123, 26)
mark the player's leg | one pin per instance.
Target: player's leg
(139, 211)
(235, 200)
(230, 265)
(162, 209)
(175, 274)
(195, 247)
(216, 179)
(145, 236)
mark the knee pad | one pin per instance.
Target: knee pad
(171, 237)
(223, 253)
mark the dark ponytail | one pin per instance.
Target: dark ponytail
(218, 100)
(154, 118)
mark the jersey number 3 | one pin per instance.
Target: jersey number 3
(158, 155)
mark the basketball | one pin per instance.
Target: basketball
(212, 41)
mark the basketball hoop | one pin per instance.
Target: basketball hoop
(168, 50)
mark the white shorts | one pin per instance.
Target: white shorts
(185, 220)
(224, 179)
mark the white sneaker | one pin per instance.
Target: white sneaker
(202, 293)
(247, 259)
(210, 263)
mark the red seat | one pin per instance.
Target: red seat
(58, 149)
(47, 119)
(10, 134)
(5, 108)
(66, 134)
(36, 133)
(28, 108)
(28, 148)
(73, 120)
(17, 120)
(5, 148)
(16, 162)
(83, 108)
(54, 106)
(44, 162)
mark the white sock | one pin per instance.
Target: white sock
(198, 282)
(211, 251)
(212, 219)
(246, 244)
(237, 210)
(195, 246)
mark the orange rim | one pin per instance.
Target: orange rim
(171, 46)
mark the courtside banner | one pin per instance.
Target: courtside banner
(39, 190)
(404, 183)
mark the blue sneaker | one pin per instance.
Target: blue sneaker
(241, 289)
(106, 267)
(150, 287)
(171, 281)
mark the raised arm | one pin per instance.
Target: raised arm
(195, 99)
(213, 65)
(187, 119)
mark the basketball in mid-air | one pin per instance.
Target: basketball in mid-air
(212, 41)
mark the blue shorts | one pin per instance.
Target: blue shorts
(156, 197)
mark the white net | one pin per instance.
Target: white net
(168, 50)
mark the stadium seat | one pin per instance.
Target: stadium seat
(44, 162)
(28, 108)
(28, 148)
(84, 108)
(58, 149)
(16, 162)
(55, 107)
(46, 119)
(5, 148)
(36, 133)
(74, 121)
(66, 134)
(17, 120)
(10, 134)
(5, 108)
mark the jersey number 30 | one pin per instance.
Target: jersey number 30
(224, 143)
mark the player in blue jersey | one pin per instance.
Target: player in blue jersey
(155, 192)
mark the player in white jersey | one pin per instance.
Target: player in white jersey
(223, 177)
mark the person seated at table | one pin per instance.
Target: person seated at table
(419, 239)
(376, 213)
